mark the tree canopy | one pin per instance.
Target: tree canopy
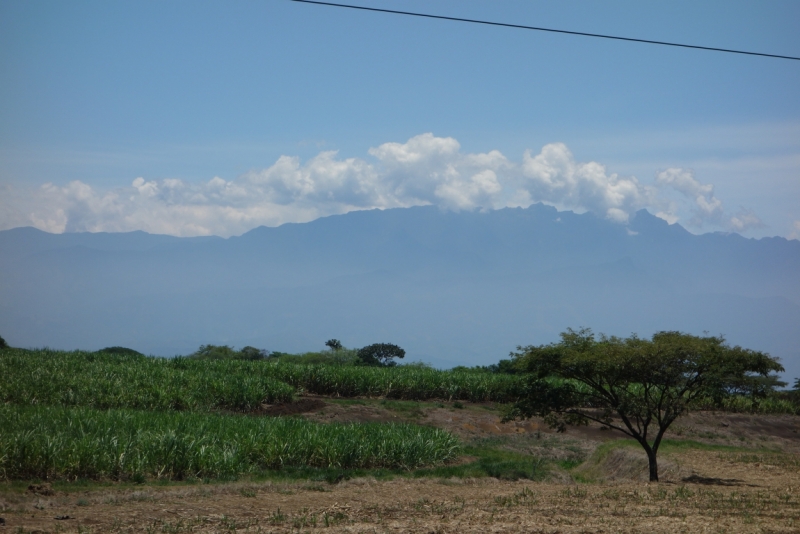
(634, 385)
(122, 351)
(334, 344)
(380, 354)
(225, 352)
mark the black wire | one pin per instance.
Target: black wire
(520, 26)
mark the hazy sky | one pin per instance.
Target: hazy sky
(211, 117)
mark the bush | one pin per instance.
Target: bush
(3, 344)
(380, 354)
(344, 356)
(224, 352)
(252, 353)
(123, 351)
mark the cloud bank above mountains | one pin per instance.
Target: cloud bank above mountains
(425, 170)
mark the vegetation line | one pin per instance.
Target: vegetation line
(69, 443)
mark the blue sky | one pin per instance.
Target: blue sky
(210, 117)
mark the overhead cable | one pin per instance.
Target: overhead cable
(552, 30)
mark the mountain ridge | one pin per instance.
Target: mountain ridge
(450, 287)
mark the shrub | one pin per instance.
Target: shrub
(3, 344)
(124, 351)
(224, 352)
(252, 353)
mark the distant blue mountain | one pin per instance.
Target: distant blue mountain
(451, 288)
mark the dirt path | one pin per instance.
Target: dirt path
(723, 496)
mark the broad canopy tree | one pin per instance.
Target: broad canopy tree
(635, 385)
(380, 354)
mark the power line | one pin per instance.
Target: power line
(552, 30)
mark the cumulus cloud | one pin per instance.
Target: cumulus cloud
(425, 170)
(554, 176)
(706, 208)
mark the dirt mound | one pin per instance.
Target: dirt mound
(293, 408)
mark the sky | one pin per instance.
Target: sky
(212, 118)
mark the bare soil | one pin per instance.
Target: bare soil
(755, 488)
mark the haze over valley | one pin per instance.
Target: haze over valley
(452, 288)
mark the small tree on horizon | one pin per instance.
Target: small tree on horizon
(225, 352)
(633, 384)
(3, 344)
(380, 354)
(334, 344)
(253, 353)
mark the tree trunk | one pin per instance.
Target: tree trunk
(651, 456)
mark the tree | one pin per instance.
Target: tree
(334, 344)
(121, 351)
(252, 353)
(381, 354)
(3, 344)
(634, 385)
(225, 352)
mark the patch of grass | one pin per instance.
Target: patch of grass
(56, 443)
(408, 409)
(569, 463)
(104, 380)
(491, 462)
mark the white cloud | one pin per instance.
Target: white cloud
(706, 205)
(706, 209)
(425, 170)
(553, 176)
(744, 220)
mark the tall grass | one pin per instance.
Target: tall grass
(402, 382)
(127, 381)
(102, 380)
(68, 443)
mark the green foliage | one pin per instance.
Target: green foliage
(334, 344)
(103, 380)
(224, 352)
(3, 344)
(252, 353)
(629, 384)
(506, 366)
(400, 382)
(68, 443)
(121, 350)
(325, 357)
(494, 461)
(380, 354)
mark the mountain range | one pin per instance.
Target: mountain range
(452, 288)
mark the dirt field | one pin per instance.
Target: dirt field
(754, 487)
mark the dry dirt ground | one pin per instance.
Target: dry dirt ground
(755, 488)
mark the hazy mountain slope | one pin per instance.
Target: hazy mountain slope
(449, 287)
